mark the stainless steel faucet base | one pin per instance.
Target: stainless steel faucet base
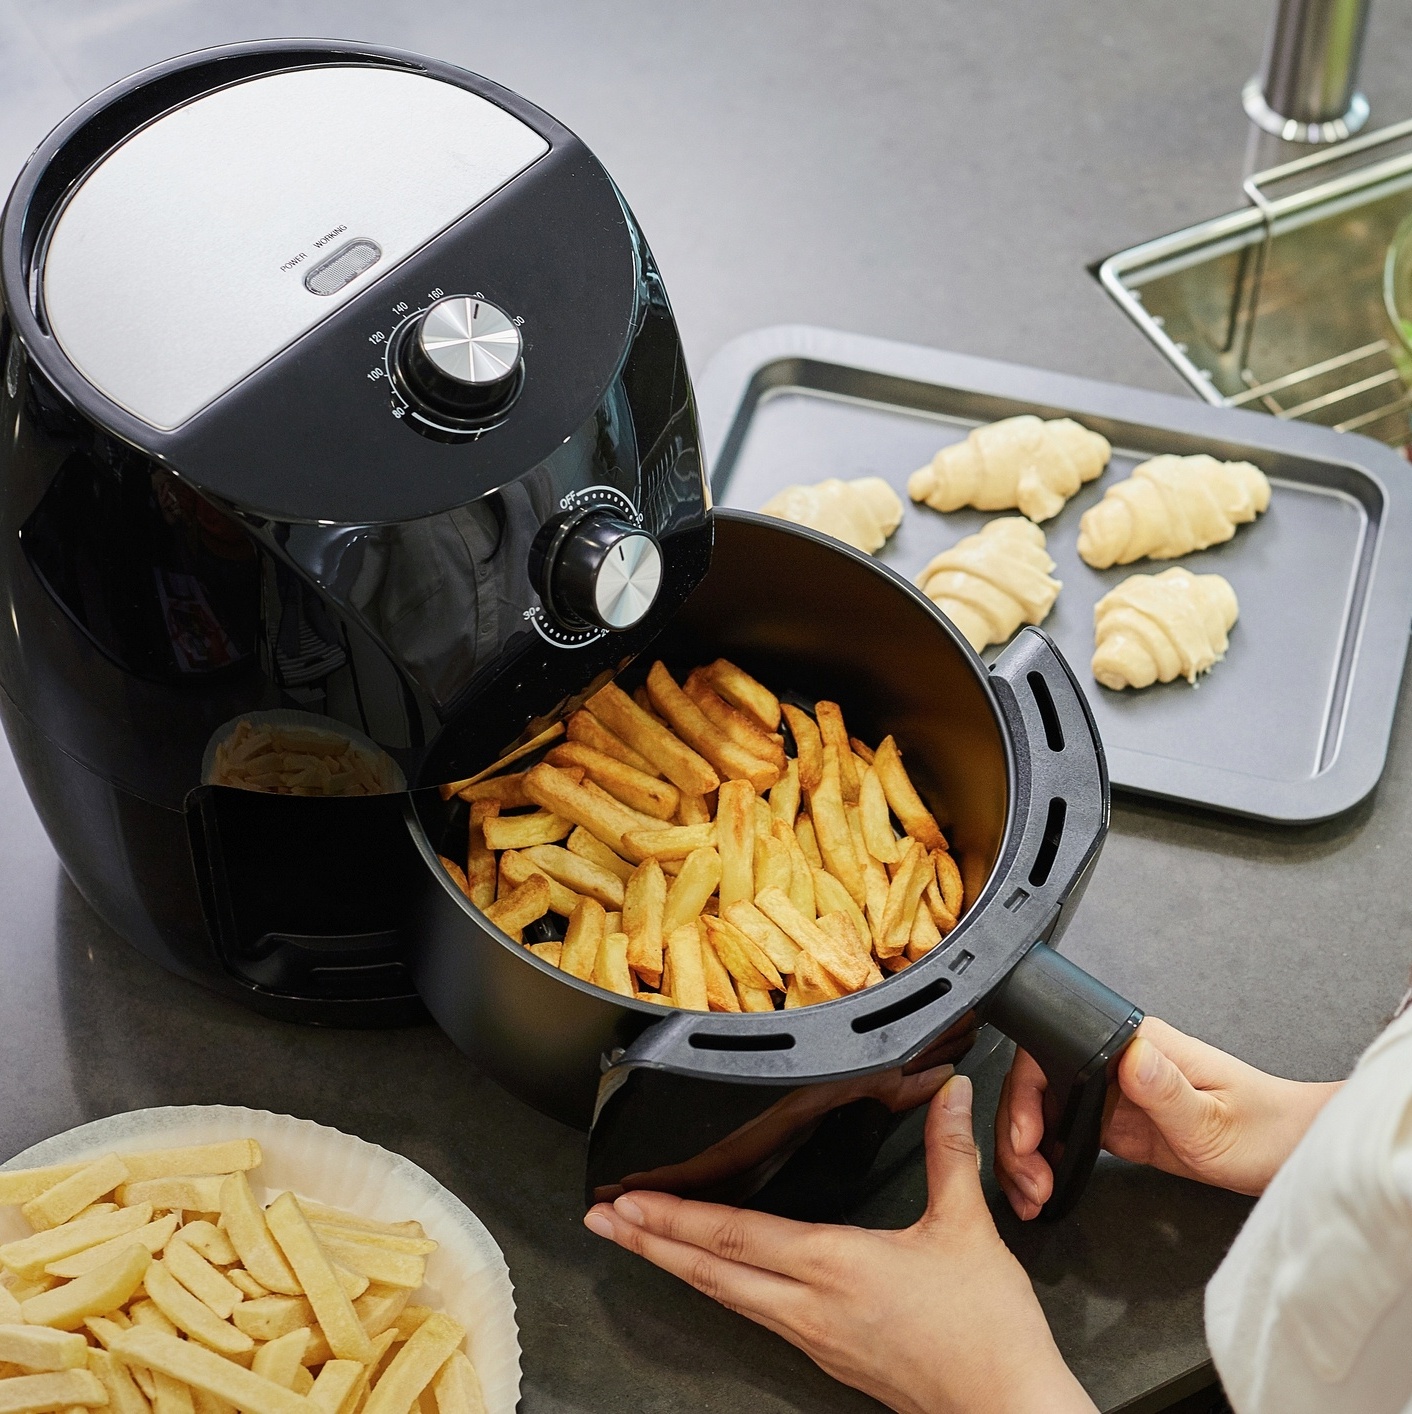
(1338, 129)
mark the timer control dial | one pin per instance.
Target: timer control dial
(598, 570)
(461, 359)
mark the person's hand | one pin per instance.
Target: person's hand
(936, 1319)
(1184, 1107)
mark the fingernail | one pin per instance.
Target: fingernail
(626, 1208)
(1015, 1137)
(1028, 1186)
(1147, 1062)
(598, 1223)
(956, 1097)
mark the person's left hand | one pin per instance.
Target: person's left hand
(938, 1318)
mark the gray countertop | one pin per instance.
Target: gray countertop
(936, 172)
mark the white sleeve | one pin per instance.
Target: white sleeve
(1311, 1310)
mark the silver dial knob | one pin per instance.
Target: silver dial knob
(462, 359)
(600, 571)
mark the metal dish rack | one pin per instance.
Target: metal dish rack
(1279, 307)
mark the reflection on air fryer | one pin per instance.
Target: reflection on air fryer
(298, 753)
(705, 846)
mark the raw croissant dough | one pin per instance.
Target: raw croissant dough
(861, 513)
(990, 583)
(1154, 627)
(1171, 506)
(1018, 462)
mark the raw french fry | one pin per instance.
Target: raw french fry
(480, 858)
(338, 1217)
(191, 1315)
(739, 726)
(42, 1348)
(700, 875)
(832, 897)
(643, 905)
(170, 1396)
(9, 1308)
(688, 971)
(211, 1242)
(28, 1256)
(124, 1397)
(23, 1184)
(522, 906)
(587, 730)
(201, 1279)
(517, 869)
(72, 1195)
(741, 690)
(550, 952)
(835, 839)
(154, 1236)
(521, 831)
(811, 984)
(457, 1387)
(507, 792)
(735, 840)
(877, 827)
(147, 1313)
(924, 936)
(95, 1293)
(240, 1277)
(720, 987)
(246, 1227)
(685, 768)
(577, 873)
(808, 744)
(777, 945)
(948, 878)
(590, 847)
(693, 726)
(64, 1389)
(270, 1317)
(193, 1365)
(636, 789)
(458, 875)
(334, 1384)
(808, 841)
(784, 794)
(586, 930)
(840, 927)
(379, 1312)
(829, 716)
(692, 810)
(672, 842)
(746, 961)
(191, 1193)
(861, 749)
(94, 1210)
(903, 896)
(772, 864)
(206, 1403)
(902, 796)
(607, 820)
(845, 966)
(280, 1360)
(413, 1368)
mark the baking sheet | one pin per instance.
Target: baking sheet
(1293, 725)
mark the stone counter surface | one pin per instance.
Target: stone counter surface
(939, 173)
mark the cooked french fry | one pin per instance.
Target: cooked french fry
(948, 877)
(69, 1197)
(586, 729)
(801, 872)
(414, 1367)
(832, 897)
(784, 794)
(835, 839)
(811, 984)
(480, 858)
(772, 940)
(154, 1236)
(550, 952)
(521, 906)
(844, 965)
(739, 726)
(688, 971)
(606, 819)
(692, 810)
(458, 875)
(902, 796)
(590, 847)
(942, 916)
(746, 961)
(643, 905)
(741, 690)
(877, 827)
(192, 1315)
(505, 792)
(95, 1293)
(636, 789)
(644, 822)
(903, 896)
(334, 1384)
(304, 1253)
(808, 745)
(517, 868)
(457, 1387)
(270, 1317)
(379, 1312)
(832, 731)
(586, 930)
(238, 1276)
(862, 750)
(671, 842)
(27, 1257)
(210, 1241)
(42, 1348)
(735, 840)
(124, 1397)
(193, 1365)
(924, 936)
(64, 1389)
(685, 768)
(250, 1236)
(577, 873)
(842, 930)
(772, 863)
(699, 876)
(877, 885)
(521, 831)
(280, 1360)
(191, 1193)
(720, 986)
(753, 999)
(808, 842)
(694, 727)
(201, 1279)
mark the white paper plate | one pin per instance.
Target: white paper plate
(466, 1275)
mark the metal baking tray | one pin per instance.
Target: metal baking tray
(1293, 726)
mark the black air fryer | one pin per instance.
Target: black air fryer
(342, 403)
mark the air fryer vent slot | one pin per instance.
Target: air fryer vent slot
(726, 1041)
(1048, 713)
(884, 1016)
(1049, 845)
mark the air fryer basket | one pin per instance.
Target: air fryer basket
(1010, 763)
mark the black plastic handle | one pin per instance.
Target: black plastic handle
(1076, 1029)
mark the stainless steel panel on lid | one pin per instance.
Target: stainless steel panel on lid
(1293, 726)
(178, 266)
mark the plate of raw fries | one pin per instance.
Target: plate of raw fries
(209, 1259)
(704, 845)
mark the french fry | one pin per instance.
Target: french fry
(205, 1403)
(831, 828)
(772, 940)
(590, 847)
(577, 873)
(210, 1241)
(480, 858)
(636, 789)
(9, 1308)
(94, 1210)
(829, 716)
(458, 875)
(784, 794)
(687, 769)
(671, 842)
(42, 1348)
(414, 1367)
(302, 1250)
(191, 1193)
(692, 810)
(644, 822)
(841, 928)
(903, 896)
(643, 905)
(245, 1225)
(585, 728)
(519, 908)
(753, 999)
(201, 1279)
(21, 1185)
(521, 831)
(270, 1317)
(746, 961)
(95, 1293)
(924, 935)
(801, 872)
(526, 748)
(339, 1217)
(808, 745)
(720, 986)
(811, 984)
(65, 1389)
(772, 863)
(735, 840)
(191, 1315)
(124, 1397)
(902, 796)
(683, 951)
(699, 876)
(550, 952)
(506, 792)
(154, 1236)
(147, 1313)
(862, 750)
(832, 897)
(203, 1369)
(457, 1387)
(739, 726)
(877, 827)
(844, 965)
(948, 877)
(69, 1197)
(585, 933)
(280, 1360)
(238, 1276)
(379, 1312)
(334, 1384)
(808, 841)
(942, 916)
(741, 690)
(607, 820)
(517, 869)
(694, 727)
(27, 1257)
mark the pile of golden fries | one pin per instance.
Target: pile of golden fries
(155, 1283)
(698, 863)
(289, 760)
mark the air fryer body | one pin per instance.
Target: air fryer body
(218, 497)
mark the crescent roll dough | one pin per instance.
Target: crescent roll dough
(1155, 627)
(1171, 506)
(862, 513)
(992, 582)
(1018, 462)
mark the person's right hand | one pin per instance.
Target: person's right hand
(1184, 1107)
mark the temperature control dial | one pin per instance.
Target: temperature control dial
(598, 570)
(460, 360)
